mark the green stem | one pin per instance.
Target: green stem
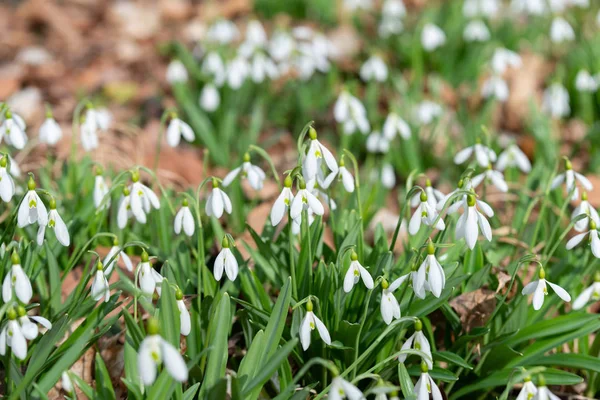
(360, 328)
(291, 254)
(161, 132)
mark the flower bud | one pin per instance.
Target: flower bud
(418, 325)
(312, 133)
(152, 326)
(542, 273)
(430, 248)
(568, 164)
(584, 196)
(144, 256)
(541, 380)
(302, 184)
(353, 256)
(470, 200)
(135, 175)
(385, 284)
(12, 314)
(215, 183)
(3, 161)
(287, 182)
(52, 203)
(99, 266)
(309, 306)
(185, 203)
(593, 225)
(14, 258)
(178, 294)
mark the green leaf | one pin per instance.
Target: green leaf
(451, 358)
(104, 387)
(53, 279)
(405, 382)
(569, 360)
(169, 314)
(270, 367)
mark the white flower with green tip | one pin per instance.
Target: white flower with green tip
(390, 308)
(425, 214)
(226, 261)
(309, 323)
(315, 156)
(483, 154)
(418, 341)
(148, 278)
(395, 125)
(50, 130)
(430, 275)
(176, 72)
(592, 292)
(540, 290)
(185, 321)
(16, 281)
(473, 220)
(184, 219)
(495, 177)
(32, 208)
(593, 238)
(570, 178)
(217, 202)
(13, 128)
(528, 390)
(100, 287)
(342, 389)
(56, 223)
(432, 37)
(254, 174)
(355, 273)
(112, 258)
(513, 156)
(178, 129)
(283, 202)
(426, 386)
(100, 191)
(7, 184)
(305, 200)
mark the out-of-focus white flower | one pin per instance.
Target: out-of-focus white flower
(570, 178)
(66, 382)
(394, 125)
(434, 196)
(592, 235)
(100, 287)
(543, 393)
(528, 390)
(16, 280)
(483, 154)
(210, 99)
(346, 177)
(388, 176)
(432, 37)
(305, 199)
(56, 223)
(530, 7)
(561, 31)
(495, 86)
(238, 70)
(32, 208)
(262, 67)
(476, 31)
(584, 208)
(149, 279)
(425, 214)
(540, 290)
(472, 220)
(356, 5)
(480, 8)
(256, 38)
(124, 208)
(355, 273)
(214, 67)
(351, 113)
(222, 32)
(392, 13)
(184, 219)
(503, 58)
(315, 156)
(427, 111)
(592, 292)
(50, 131)
(154, 351)
(12, 129)
(374, 69)
(309, 323)
(495, 177)
(217, 202)
(7, 185)
(585, 82)
(112, 258)
(283, 202)
(281, 46)
(342, 389)
(418, 341)
(254, 174)
(377, 143)
(89, 135)
(556, 101)
(513, 156)
(226, 261)
(176, 72)
(579, 3)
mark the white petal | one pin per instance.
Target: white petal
(219, 266)
(23, 287)
(415, 221)
(184, 317)
(366, 277)
(463, 155)
(189, 225)
(314, 204)
(349, 278)
(278, 210)
(530, 287)
(231, 266)
(562, 293)
(322, 329)
(178, 223)
(305, 331)
(146, 365)
(538, 295)
(174, 362)
(575, 240)
(583, 298)
(231, 176)
(18, 344)
(471, 231)
(396, 284)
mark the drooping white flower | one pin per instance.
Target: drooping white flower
(458, 202)
(56, 223)
(154, 351)
(425, 214)
(297, 222)
(149, 279)
(395, 125)
(309, 323)
(388, 176)
(142, 198)
(543, 393)
(304, 200)
(209, 98)
(283, 202)
(425, 385)
(226, 261)
(7, 184)
(480, 8)
(374, 69)
(592, 234)
(355, 273)
(434, 196)
(185, 220)
(89, 134)
(281, 46)
(222, 32)
(214, 67)
(342, 389)
(124, 208)
(390, 308)
(585, 82)
(528, 390)
(66, 382)
(254, 174)
(50, 131)
(314, 187)
(16, 281)
(238, 70)
(185, 321)
(100, 191)
(472, 221)
(561, 31)
(476, 31)
(427, 111)
(432, 37)
(112, 258)
(530, 7)
(32, 208)
(176, 72)
(392, 13)
(418, 341)
(256, 38)
(592, 292)
(513, 156)
(217, 202)
(503, 58)
(262, 67)
(556, 101)
(12, 129)
(176, 129)
(570, 178)
(495, 86)
(585, 208)
(345, 176)
(357, 5)
(351, 113)
(430, 275)
(540, 290)
(100, 287)
(377, 143)
(12, 336)
(316, 154)
(483, 154)
(493, 176)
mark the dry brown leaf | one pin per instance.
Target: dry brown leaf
(474, 308)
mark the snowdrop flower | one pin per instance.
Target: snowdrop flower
(222, 32)
(531, 7)
(184, 219)
(309, 323)
(214, 66)
(316, 154)
(390, 308)
(556, 101)
(584, 208)
(472, 220)
(57, 224)
(7, 185)
(395, 125)
(591, 293)
(154, 351)
(480, 8)
(351, 113)
(262, 67)
(281, 46)
(539, 290)
(176, 72)
(305, 200)
(503, 59)
(459, 202)
(176, 129)
(432, 37)
(124, 208)
(427, 111)
(342, 389)
(100, 287)
(345, 176)
(210, 99)
(495, 87)
(283, 202)
(476, 31)
(50, 131)
(297, 222)
(483, 154)
(374, 69)
(237, 72)
(13, 127)
(184, 315)
(592, 234)
(513, 156)
(32, 209)
(561, 31)
(434, 196)
(255, 175)
(430, 275)
(256, 37)
(356, 5)
(89, 134)
(97, 119)
(495, 177)
(315, 188)
(377, 143)
(388, 176)
(392, 13)
(425, 214)
(142, 198)
(528, 390)
(217, 202)
(66, 382)
(418, 341)
(585, 82)
(425, 385)
(16, 280)
(148, 278)
(226, 261)
(28, 323)
(543, 393)
(570, 178)
(100, 191)
(12, 336)
(112, 258)
(356, 272)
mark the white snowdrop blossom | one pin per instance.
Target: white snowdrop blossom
(472, 220)
(256, 38)
(12, 336)
(7, 184)
(425, 386)
(390, 308)
(480, 8)
(226, 261)
(184, 219)
(142, 199)
(459, 202)
(210, 99)
(374, 69)
(528, 390)
(148, 278)
(16, 281)
(222, 32)
(355, 273)
(297, 222)
(388, 176)
(539, 290)
(351, 113)
(561, 31)
(432, 37)
(425, 214)
(100, 287)
(56, 223)
(100, 191)
(124, 208)
(418, 341)
(592, 235)
(113, 256)
(483, 154)
(377, 143)
(530, 7)
(543, 393)
(394, 125)
(592, 292)
(282, 203)
(254, 174)
(309, 323)
(434, 196)
(493, 176)
(305, 200)
(32, 209)
(346, 177)
(50, 131)
(502, 59)
(427, 111)
(238, 70)
(513, 156)
(176, 72)
(570, 178)
(185, 321)
(495, 86)
(262, 67)
(392, 13)
(214, 67)
(66, 382)
(176, 129)
(12, 129)
(430, 275)
(584, 208)
(476, 31)
(585, 82)
(217, 202)
(154, 351)
(316, 154)
(556, 101)
(342, 389)
(357, 5)
(89, 134)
